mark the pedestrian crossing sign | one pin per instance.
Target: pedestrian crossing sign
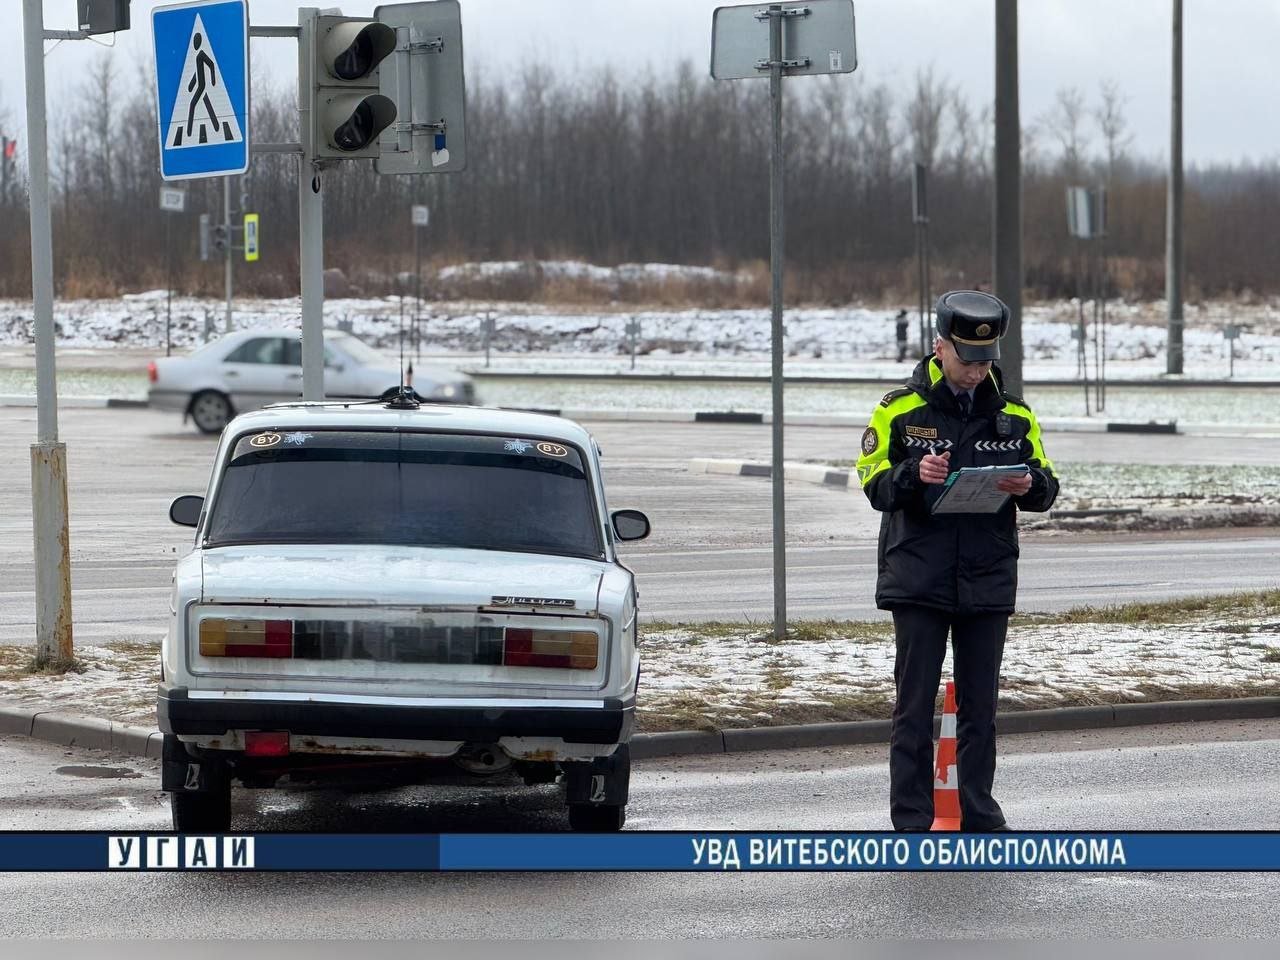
(202, 87)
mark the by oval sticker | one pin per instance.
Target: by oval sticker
(552, 449)
(265, 440)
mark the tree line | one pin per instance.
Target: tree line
(656, 166)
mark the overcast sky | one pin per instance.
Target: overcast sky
(1230, 82)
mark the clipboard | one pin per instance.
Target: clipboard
(973, 489)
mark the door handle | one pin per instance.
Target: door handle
(232, 373)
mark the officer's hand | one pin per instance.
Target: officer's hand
(934, 469)
(1016, 485)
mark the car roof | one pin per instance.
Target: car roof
(336, 414)
(250, 332)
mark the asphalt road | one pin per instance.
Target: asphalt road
(708, 558)
(1185, 776)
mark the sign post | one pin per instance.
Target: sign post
(777, 40)
(172, 200)
(920, 217)
(1231, 333)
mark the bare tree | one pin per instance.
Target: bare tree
(924, 116)
(1064, 122)
(1112, 124)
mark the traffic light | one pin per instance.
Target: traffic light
(8, 166)
(347, 111)
(389, 88)
(221, 236)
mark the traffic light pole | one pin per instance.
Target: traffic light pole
(226, 219)
(310, 223)
(48, 455)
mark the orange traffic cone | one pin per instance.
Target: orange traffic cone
(946, 791)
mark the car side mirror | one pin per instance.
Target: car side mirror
(630, 524)
(185, 511)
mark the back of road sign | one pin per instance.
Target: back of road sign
(820, 32)
(202, 87)
(424, 77)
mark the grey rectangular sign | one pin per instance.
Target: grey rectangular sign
(424, 72)
(173, 199)
(820, 34)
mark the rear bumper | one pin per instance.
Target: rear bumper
(611, 722)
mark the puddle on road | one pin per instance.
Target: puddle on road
(103, 773)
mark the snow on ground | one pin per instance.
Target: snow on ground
(743, 678)
(607, 279)
(821, 342)
(746, 679)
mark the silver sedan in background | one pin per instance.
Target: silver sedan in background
(252, 368)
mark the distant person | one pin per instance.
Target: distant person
(947, 573)
(901, 324)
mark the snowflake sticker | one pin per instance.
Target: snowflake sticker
(517, 446)
(297, 439)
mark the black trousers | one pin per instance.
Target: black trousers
(977, 648)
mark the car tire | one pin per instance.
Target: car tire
(210, 411)
(208, 812)
(586, 818)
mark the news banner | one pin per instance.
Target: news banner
(644, 851)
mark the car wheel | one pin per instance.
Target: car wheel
(208, 812)
(211, 411)
(597, 819)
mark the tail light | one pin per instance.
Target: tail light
(266, 743)
(246, 638)
(574, 650)
(394, 642)
(153, 374)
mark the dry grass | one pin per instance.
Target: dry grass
(798, 631)
(687, 711)
(1253, 606)
(1264, 603)
(18, 663)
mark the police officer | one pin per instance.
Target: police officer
(953, 574)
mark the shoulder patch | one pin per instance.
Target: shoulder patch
(893, 395)
(870, 440)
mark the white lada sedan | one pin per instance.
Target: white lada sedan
(412, 590)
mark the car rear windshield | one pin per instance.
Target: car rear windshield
(423, 489)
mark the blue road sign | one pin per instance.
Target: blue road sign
(202, 87)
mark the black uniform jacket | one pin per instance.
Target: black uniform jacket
(959, 563)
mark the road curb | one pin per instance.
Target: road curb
(839, 420)
(69, 730)
(807, 472)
